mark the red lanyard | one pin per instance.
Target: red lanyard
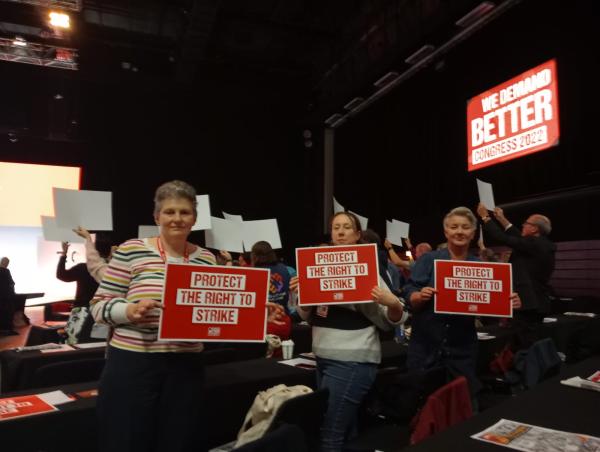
(163, 255)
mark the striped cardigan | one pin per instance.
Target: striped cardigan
(137, 272)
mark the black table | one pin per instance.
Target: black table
(17, 368)
(570, 332)
(550, 404)
(230, 390)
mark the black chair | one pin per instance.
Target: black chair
(66, 372)
(536, 364)
(306, 412)
(58, 310)
(396, 397)
(286, 437)
(42, 334)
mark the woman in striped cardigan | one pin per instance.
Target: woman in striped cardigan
(150, 390)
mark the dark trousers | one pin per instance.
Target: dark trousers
(150, 402)
(6, 313)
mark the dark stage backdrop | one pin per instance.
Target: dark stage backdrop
(238, 136)
(406, 156)
(239, 141)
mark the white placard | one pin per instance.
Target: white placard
(486, 194)
(402, 227)
(364, 221)
(257, 230)
(394, 232)
(203, 218)
(146, 231)
(337, 207)
(232, 217)
(53, 233)
(224, 235)
(89, 209)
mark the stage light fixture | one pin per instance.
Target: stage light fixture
(386, 79)
(60, 20)
(20, 42)
(475, 14)
(354, 103)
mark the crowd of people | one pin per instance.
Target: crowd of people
(150, 389)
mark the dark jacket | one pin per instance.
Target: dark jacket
(532, 262)
(86, 285)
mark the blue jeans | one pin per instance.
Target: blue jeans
(348, 383)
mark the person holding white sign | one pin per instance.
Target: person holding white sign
(446, 340)
(150, 390)
(346, 343)
(532, 260)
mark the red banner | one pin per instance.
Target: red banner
(516, 118)
(13, 407)
(473, 288)
(214, 303)
(336, 274)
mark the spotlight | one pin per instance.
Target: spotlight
(20, 42)
(60, 20)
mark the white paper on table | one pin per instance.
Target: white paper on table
(62, 348)
(91, 345)
(203, 209)
(337, 207)
(224, 235)
(583, 383)
(364, 221)
(89, 209)
(54, 233)
(232, 217)
(257, 230)
(299, 362)
(146, 231)
(530, 438)
(486, 194)
(583, 314)
(55, 397)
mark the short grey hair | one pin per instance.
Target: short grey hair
(462, 212)
(542, 222)
(175, 189)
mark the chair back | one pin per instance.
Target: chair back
(446, 407)
(537, 363)
(66, 372)
(285, 437)
(306, 412)
(398, 395)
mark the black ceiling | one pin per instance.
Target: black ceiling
(327, 50)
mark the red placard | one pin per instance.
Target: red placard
(516, 118)
(473, 288)
(337, 274)
(13, 407)
(214, 303)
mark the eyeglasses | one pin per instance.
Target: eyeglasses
(530, 224)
